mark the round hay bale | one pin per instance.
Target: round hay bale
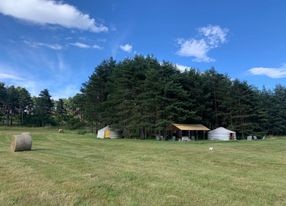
(22, 142)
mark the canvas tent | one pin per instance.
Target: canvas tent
(107, 133)
(221, 133)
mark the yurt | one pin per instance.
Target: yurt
(221, 133)
(107, 133)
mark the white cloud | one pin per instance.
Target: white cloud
(80, 45)
(60, 47)
(50, 12)
(212, 37)
(269, 72)
(95, 46)
(182, 68)
(126, 47)
(215, 34)
(10, 76)
(40, 44)
(85, 46)
(53, 46)
(195, 48)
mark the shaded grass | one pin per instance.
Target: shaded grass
(72, 169)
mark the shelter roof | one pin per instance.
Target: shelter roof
(189, 127)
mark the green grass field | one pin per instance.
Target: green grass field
(73, 169)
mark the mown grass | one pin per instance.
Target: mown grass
(72, 169)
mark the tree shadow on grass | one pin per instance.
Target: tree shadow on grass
(40, 149)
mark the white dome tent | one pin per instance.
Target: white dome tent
(107, 133)
(221, 133)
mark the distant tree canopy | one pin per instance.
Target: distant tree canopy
(141, 96)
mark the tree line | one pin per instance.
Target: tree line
(18, 107)
(141, 96)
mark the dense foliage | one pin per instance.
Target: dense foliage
(142, 96)
(17, 107)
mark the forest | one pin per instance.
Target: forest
(141, 96)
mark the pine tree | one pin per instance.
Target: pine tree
(25, 104)
(60, 112)
(12, 104)
(216, 91)
(95, 92)
(43, 108)
(3, 101)
(243, 108)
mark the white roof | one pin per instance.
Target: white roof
(222, 129)
(105, 128)
(113, 133)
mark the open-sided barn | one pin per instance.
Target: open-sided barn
(188, 131)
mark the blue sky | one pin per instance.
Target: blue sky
(57, 44)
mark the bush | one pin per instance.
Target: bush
(75, 123)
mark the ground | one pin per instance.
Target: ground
(76, 169)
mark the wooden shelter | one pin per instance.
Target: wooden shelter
(191, 131)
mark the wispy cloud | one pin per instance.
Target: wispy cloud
(60, 47)
(32, 86)
(211, 37)
(8, 73)
(275, 73)
(10, 76)
(41, 44)
(54, 77)
(80, 45)
(43, 12)
(67, 91)
(126, 47)
(85, 46)
(95, 46)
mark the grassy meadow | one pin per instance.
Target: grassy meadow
(75, 169)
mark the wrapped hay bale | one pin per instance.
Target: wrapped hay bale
(22, 142)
